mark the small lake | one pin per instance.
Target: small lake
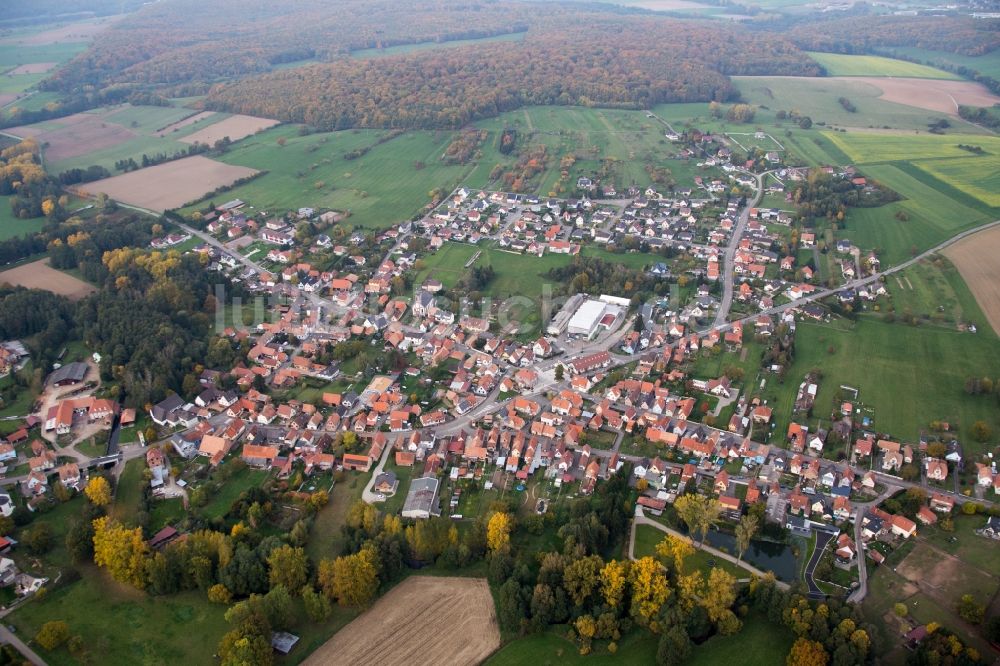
(765, 555)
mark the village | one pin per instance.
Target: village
(449, 406)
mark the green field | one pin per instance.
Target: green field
(872, 147)
(759, 643)
(988, 64)
(148, 119)
(364, 54)
(550, 649)
(933, 290)
(909, 375)
(128, 492)
(125, 626)
(219, 505)
(837, 64)
(818, 99)
(977, 176)
(387, 185)
(11, 226)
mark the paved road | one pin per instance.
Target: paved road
(822, 538)
(367, 495)
(641, 519)
(8, 636)
(728, 276)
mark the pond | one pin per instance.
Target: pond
(765, 555)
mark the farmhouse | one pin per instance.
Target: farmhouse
(69, 374)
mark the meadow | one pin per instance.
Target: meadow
(11, 226)
(837, 64)
(872, 147)
(388, 184)
(818, 98)
(933, 290)
(978, 176)
(552, 649)
(909, 375)
(988, 64)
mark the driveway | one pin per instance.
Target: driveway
(822, 538)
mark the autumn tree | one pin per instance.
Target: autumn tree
(718, 599)
(52, 634)
(698, 512)
(219, 594)
(122, 551)
(650, 588)
(614, 577)
(351, 579)
(498, 532)
(288, 566)
(745, 532)
(676, 549)
(98, 491)
(805, 652)
(582, 577)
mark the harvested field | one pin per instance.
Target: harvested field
(169, 185)
(75, 135)
(39, 275)
(7, 98)
(456, 612)
(933, 95)
(184, 123)
(33, 68)
(975, 258)
(235, 127)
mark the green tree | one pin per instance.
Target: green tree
(981, 432)
(699, 513)
(317, 605)
(745, 531)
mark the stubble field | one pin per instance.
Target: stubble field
(975, 258)
(39, 275)
(423, 620)
(235, 127)
(169, 185)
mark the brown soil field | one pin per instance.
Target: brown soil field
(7, 98)
(76, 135)
(170, 185)
(39, 275)
(665, 5)
(423, 620)
(184, 123)
(34, 68)
(235, 127)
(975, 257)
(933, 95)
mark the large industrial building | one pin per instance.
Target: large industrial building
(558, 324)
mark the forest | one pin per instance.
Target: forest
(606, 63)
(862, 34)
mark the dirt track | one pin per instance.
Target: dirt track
(424, 620)
(975, 258)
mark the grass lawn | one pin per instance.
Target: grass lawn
(551, 649)
(125, 626)
(933, 290)
(11, 226)
(447, 264)
(646, 538)
(836, 64)
(128, 494)
(967, 546)
(759, 643)
(909, 375)
(165, 512)
(231, 489)
(60, 517)
(325, 540)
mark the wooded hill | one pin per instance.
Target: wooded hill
(862, 34)
(617, 61)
